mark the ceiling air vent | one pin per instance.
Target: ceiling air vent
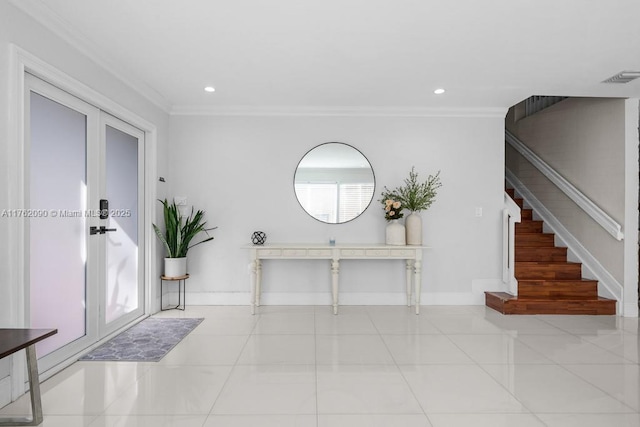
(623, 77)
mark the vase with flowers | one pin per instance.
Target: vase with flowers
(395, 233)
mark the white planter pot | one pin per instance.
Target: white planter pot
(413, 224)
(175, 267)
(395, 233)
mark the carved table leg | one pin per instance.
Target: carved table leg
(335, 272)
(258, 281)
(409, 278)
(417, 265)
(253, 273)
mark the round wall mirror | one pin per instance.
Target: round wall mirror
(334, 183)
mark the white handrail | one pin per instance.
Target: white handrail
(510, 215)
(593, 210)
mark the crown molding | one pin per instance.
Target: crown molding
(49, 19)
(354, 111)
(46, 17)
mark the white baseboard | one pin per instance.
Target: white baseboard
(480, 286)
(630, 309)
(476, 297)
(5, 391)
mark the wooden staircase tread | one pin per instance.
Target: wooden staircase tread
(543, 248)
(547, 262)
(502, 295)
(557, 289)
(511, 305)
(529, 226)
(534, 240)
(548, 271)
(582, 280)
(505, 296)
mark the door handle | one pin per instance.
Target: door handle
(100, 230)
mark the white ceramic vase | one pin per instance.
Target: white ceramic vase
(175, 267)
(413, 224)
(395, 233)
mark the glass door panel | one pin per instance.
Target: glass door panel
(122, 181)
(57, 221)
(122, 289)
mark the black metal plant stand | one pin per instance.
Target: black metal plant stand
(182, 299)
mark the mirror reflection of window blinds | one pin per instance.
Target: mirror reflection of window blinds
(354, 199)
(329, 201)
(320, 200)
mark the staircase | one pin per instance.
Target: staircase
(547, 282)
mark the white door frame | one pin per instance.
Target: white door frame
(631, 236)
(92, 115)
(21, 62)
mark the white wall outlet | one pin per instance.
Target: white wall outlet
(180, 200)
(478, 212)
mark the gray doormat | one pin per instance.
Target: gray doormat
(148, 341)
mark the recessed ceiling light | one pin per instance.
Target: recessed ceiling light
(209, 89)
(439, 91)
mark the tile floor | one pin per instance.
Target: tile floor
(368, 366)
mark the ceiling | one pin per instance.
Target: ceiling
(357, 55)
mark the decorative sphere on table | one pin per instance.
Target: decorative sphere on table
(258, 238)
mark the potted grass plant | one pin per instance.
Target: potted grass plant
(179, 233)
(417, 196)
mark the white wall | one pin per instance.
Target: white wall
(20, 30)
(240, 171)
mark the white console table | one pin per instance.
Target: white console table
(411, 254)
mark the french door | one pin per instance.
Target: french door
(84, 184)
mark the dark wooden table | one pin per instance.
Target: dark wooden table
(11, 341)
